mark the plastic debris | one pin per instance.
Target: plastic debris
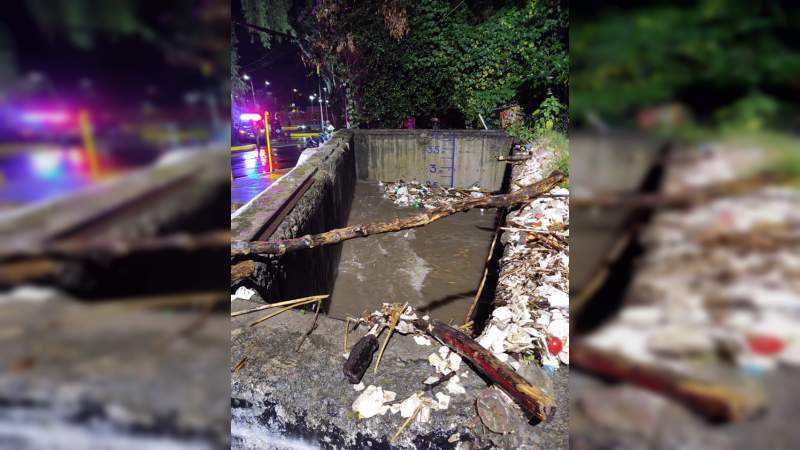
(532, 292)
(418, 195)
(372, 402)
(422, 340)
(497, 411)
(244, 293)
(28, 293)
(705, 282)
(454, 386)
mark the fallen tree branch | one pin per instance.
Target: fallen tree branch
(714, 400)
(242, 248)
(681, 199)
(531, 399)
(38, 262)
(119, 247)
(443, 379)
(311, 328)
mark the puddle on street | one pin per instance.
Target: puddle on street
(436, 268)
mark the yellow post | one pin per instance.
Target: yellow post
(88, 142)
(269, 146)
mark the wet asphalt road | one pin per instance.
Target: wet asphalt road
(251, 173)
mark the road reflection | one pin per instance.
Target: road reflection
(32, 172)
(251, 172)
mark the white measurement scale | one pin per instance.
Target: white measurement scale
(440, 158)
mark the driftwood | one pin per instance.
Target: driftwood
(551, 241)
(521, 157)
(360, 356)
(762, 238)
(20, 265)
(681, 199)
(713, 400)
(531, 399)
(243, 269)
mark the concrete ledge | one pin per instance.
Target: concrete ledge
(327, 179)
(303, 397)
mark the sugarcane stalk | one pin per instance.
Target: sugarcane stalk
(530, 398)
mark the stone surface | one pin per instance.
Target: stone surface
(112, 376)
(304, 397)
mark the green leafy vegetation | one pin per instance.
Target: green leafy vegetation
(732, 56)
(390, 59)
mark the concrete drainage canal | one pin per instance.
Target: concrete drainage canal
(288, 386)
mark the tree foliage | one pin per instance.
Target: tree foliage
(711, 51)
(390, 59)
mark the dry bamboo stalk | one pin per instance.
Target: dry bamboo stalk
(392, 324)
(279, 304)
(406, 422)
(483, 280)
(282, 310)
(524, 195)
(346, 332)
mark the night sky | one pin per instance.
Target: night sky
(280, 65)
(121, 70)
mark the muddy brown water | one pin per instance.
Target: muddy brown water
(600, 164)
(436, 268)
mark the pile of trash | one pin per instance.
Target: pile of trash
(718, 281)
(531, 319)
(447, 367)
(429, 196)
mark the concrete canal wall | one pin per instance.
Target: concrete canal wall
(317, 194)
(456, 158)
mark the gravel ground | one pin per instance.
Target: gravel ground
(111, 376)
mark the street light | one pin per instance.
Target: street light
(266, 82)
(255, 104)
